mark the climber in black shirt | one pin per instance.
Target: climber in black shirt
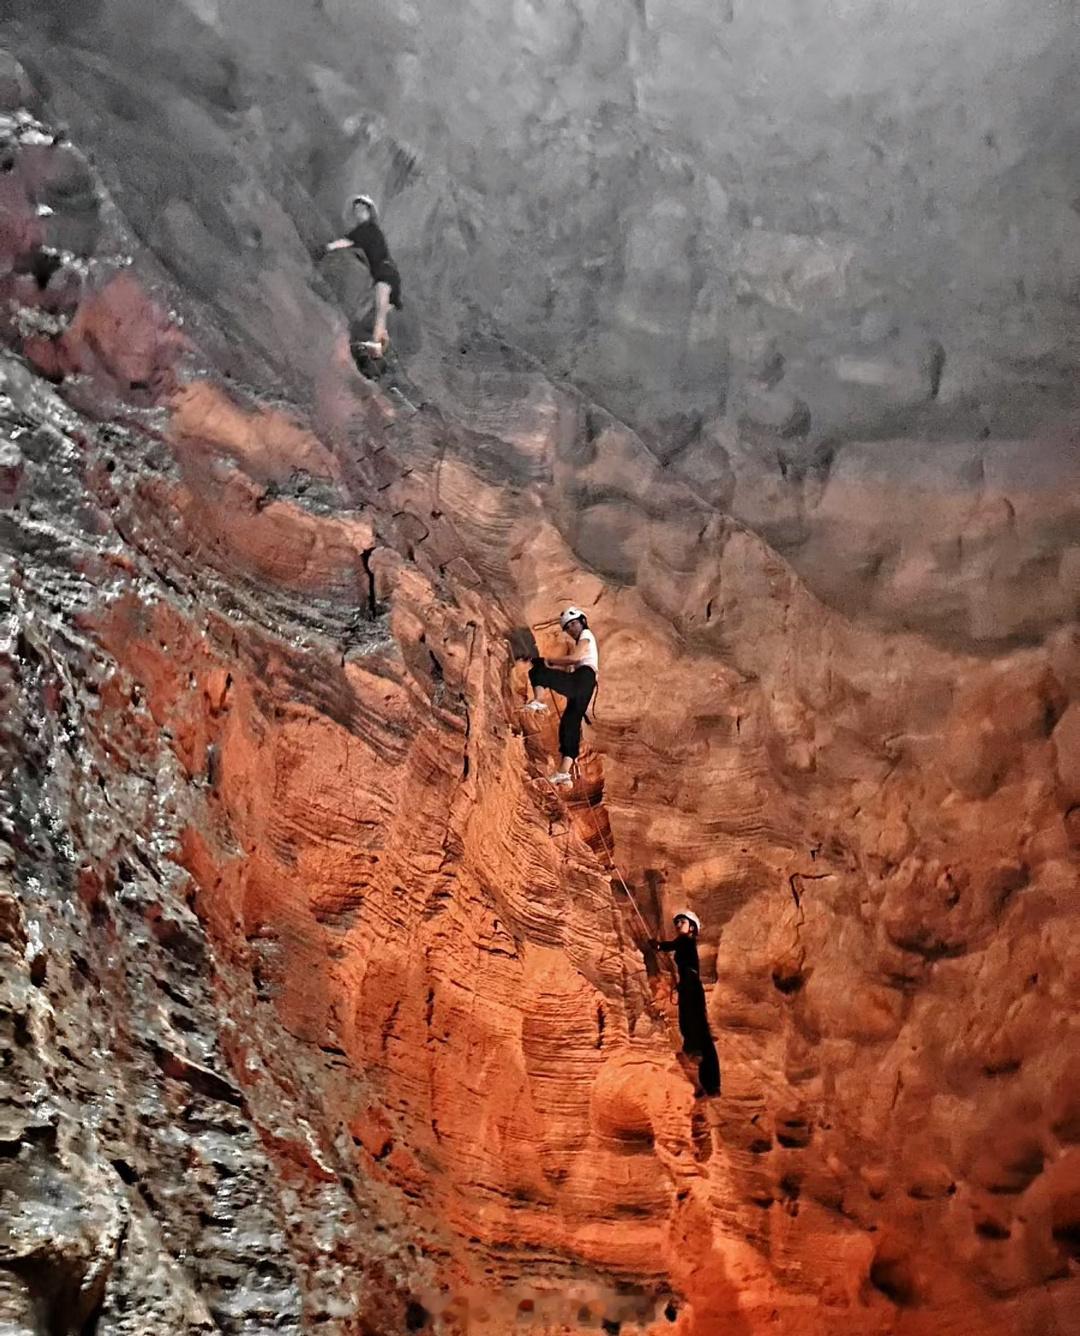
(693, 1021)
(367, 237)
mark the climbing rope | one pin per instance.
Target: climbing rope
(609, 854)
(613, 869)
(612, 866)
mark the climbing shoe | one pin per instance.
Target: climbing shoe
(560, 777)
(536, 706)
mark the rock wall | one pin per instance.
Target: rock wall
(832, 293)
(640, 191)
(320, 1010)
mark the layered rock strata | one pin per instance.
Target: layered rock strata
(320, 1009)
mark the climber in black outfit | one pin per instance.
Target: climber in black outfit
(367, 236)
(573, 676)
(693, 1022)
(693, 1017)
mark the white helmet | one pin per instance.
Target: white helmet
(367, 202)
(690, 917)
(569, 615)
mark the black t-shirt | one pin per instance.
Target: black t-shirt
(368, 237)
(686, 956)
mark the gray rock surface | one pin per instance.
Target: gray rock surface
(635, 191)
(786, 244)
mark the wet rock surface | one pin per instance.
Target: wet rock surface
(320, 1011)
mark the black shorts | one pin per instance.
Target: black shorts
(387, 273)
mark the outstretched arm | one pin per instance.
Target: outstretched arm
(665, 946)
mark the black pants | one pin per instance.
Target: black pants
(578, 688)
(693, 1019)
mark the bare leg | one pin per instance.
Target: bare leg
(566, 764)
(382, 310)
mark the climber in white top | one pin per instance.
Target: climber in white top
(573, 676)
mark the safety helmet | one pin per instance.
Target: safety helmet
(366, 201)
(690, 917)
(569, 615)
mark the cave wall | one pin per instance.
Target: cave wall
(381, 1047)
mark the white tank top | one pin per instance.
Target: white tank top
(588, 654)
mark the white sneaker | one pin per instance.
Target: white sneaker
(560, 777)
(536, 706)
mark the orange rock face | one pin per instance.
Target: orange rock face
(377, 1045)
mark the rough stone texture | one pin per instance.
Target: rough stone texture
(319, 1010)
(824, 257)
(640, 190)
